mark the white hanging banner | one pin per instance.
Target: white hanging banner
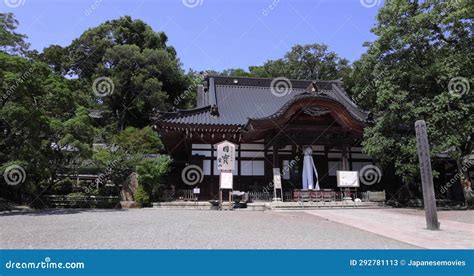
(308, 169)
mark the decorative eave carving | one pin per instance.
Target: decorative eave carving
(315, 111)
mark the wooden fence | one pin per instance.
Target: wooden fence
(260, 196)
(185, 195)
(373, 196)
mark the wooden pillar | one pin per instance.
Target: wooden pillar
(239, 166)
(211, 179)
(349, 156)
(291, 171)
(276, 165)
(345, 160)
(275, 156)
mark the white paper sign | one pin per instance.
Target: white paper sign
(276, 178)
(196, 191)
(225, 156)
(277, 181)
(226, 180)
(347, 179)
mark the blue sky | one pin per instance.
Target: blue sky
(211, 34)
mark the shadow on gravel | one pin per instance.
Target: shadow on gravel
(56, 212)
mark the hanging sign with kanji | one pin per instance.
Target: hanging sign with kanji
(225, 156)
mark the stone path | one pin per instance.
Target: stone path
(408, 226)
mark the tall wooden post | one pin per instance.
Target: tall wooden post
(275, 156)
(429, 200)
(345, 160)
(276, 170)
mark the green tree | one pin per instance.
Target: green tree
(151, 173)
(128, 148)
(145, 71)
(56, 57)
(311, 62)
(235, 72)
(10, 41)
(419, 67)
(134, 140)
(42, 125)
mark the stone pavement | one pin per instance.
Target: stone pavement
(408, 227)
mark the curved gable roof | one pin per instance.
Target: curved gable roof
(237, 101)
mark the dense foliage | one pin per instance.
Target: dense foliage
(305, 62)
(142, 72)
(150, 176)
(48, 100)
(419, 67)
(43, 126)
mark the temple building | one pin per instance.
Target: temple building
(271, 124)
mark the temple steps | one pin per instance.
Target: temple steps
(262, 206)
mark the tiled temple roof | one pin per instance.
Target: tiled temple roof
(234, 101)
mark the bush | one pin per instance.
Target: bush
(76, 194)
(141, 196)
(62, 187)
(151, 173)
(76, 200)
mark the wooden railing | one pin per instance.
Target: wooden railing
(313, 195)
(373, 196)
(260, 196)
(287, 197)
(185, 195)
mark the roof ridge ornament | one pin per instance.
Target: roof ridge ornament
(214, 110)
(313, 88)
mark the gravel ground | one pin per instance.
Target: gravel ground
(466, 216)
(181, 229)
